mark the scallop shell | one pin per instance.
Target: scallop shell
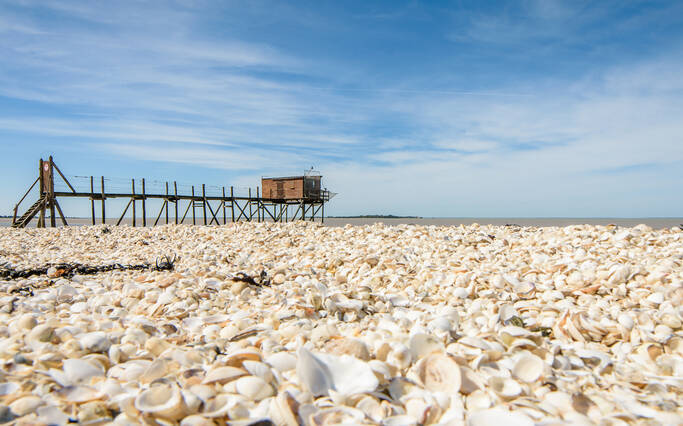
(439, 373)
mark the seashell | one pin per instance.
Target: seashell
(348, 346)
(424, 344)
(438, 372)
(197, 420)
(162, 401)
(51, 415)
(498, 416)
(260, 369)
(478, 400)
(253, 388)
(40, 336)
(400, 420)
(7, 388)
(236, 359)
(283, 410)
(221, 405)
(26, 322)
(94, 412)
(95, 342)
(504, 387)
(319, 373)
(79, 394)
(25, 405)
(282, 361)
(336, 416)
(223, 375)
(528, 368)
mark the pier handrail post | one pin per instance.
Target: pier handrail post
(133, 200)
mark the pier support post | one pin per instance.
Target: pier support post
(103, 214)
(133, 200)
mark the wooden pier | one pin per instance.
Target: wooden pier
(213, 209)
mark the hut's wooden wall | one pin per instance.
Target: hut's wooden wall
(283, 188)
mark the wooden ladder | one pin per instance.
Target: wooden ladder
(25, 219)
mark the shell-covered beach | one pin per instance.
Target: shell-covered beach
(304, 324)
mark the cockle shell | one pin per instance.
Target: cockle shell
(528, 368)
(164, 401)
(439, 373)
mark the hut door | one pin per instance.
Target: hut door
(280, 189)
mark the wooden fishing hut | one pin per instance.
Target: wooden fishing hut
(274, 201)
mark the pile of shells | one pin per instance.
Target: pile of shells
(403, 325)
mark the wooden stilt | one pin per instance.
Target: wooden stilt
(133, 199)
(204, 201)
(103, 213)
(92, 198)
(223, 205)
(51, 185)
(232, 204)
(166, 203)
(194, 222)
(250, 213)
(144, 208)
(175, 193)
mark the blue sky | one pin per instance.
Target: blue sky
(523, 108)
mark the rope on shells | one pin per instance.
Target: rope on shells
(165, 263)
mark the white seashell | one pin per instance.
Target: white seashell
(95, 342)
(438, 372)
(528, 368)
(282, 361)
(78, 371)
(260, 369)
(196, 420)
(424, 344)
(283, 410)
(253, 388)
(7, 388)
(626, 321)
(505, 387)
(345, 374)
(80, 393)
(25, 405)
(497, 417)
(336, 416)
(400, 420)
(220, 405)
(51, 415)
(163, 401)
(223, 375)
